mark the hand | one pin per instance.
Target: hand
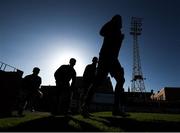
(122, 36)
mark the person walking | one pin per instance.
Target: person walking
(109, 63)
(30, 90)
(63, 75)
(88, 78)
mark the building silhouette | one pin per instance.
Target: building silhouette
(104, 95)
(103, 99)
(10, 82)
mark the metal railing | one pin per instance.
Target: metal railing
(4, 67)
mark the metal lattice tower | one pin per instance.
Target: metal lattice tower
(137, 76)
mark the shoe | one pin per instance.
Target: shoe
(20, 114)
(119, 113)
(84, 112)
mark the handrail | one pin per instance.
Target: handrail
(3, 66)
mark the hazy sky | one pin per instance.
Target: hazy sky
(46, 33)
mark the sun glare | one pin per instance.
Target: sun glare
(60, 54)
(63, 57)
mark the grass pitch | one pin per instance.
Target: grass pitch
(100, 121)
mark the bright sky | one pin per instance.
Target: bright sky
(47, 33)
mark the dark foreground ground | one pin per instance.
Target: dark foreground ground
(100, 121)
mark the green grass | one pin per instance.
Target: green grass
(8, 122)
(104, 121)
(100, 121)
(155, 117)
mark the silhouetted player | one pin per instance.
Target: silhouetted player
(108, 63)
(30, 88)
(88, 77)
(63, 75)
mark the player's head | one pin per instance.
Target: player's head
(36, 70)
(72, 62)
(117, 20)
(95, 60)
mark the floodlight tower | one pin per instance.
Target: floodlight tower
(137, 75)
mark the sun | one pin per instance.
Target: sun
(63, 57)
(60, 53)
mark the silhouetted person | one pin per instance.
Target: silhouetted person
(63, 75)
(108, 63)
(30, 90)
(88, 78)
